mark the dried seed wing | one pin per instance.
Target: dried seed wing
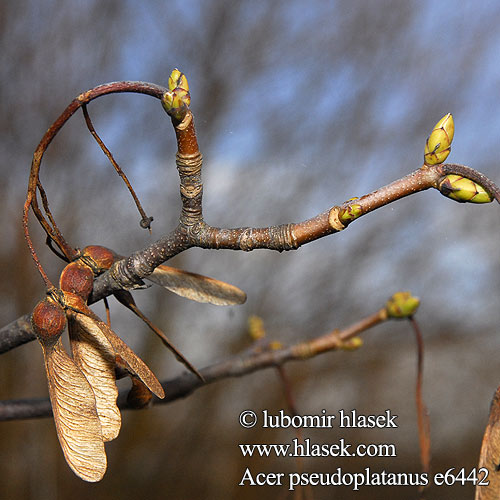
(488, 487)
(197, 287)
(95, 357)
(75, 415)
(89, 321)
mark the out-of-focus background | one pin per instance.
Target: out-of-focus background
(297, 108)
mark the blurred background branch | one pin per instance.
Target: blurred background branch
(260, 356)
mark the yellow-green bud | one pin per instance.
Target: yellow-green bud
(352, 344)
(350, 213)
(402, 305)
(176, 80)
(256, 327)
(463, 190)
(176, 102)
(438, 145)
(275, 345)
(177, 99)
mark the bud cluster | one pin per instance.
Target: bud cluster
(177, 99)
(402, 305)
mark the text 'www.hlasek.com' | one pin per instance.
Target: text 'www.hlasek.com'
(300, 447)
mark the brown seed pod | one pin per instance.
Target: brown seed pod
(98, 258)
(74, 301)
(77, 278)
(139, 395)
(48, 321)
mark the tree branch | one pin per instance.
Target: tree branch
(456, 181)
(196, 233)
(192, 230)
(128, 273)
(17, 333)
(255, 359)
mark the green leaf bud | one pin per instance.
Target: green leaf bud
(177, 99)
(463, 190)
(256, 327)
(352, 344)
(402, 305)
(176, 80)
(350, 213)
(438, 145)
(176, 102)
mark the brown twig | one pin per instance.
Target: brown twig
(194, 232)
(424, 431)
(301, 491)
(50, 226)
(17, 333)
(145, 221)
(129, 272)
(249, 362)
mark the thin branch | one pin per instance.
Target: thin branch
(146, 221)
(192, 230)
(197, 233)
(17, 333)
(424, 429)
(34, 180)
(246, 363)
(129, 272)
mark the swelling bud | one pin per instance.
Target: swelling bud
(177, 99)
(350, 213)
(463, 190)
(177, 79)
(176, 102)
(402, 305)
(438, 145)
(98, 258)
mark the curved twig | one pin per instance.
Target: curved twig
(129, 272)
(50, 226)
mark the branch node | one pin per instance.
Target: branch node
(184, 124)
(245, 241)
(189, 164)
(333, 219)
(191, 187)
(285, 237)
(120, 274)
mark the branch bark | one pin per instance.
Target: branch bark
(255, 359)
(129, 272)
(193, 231)
(17, 333)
